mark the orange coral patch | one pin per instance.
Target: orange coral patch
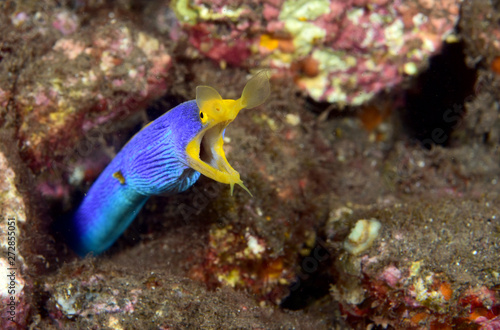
(269, 42)
(286, 45)
(446, 290)
(419, 317)
(495, 65)
(371, 116)
(477, 312)
(310, 66)
(273, 270)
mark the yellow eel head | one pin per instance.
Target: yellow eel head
(205, 153)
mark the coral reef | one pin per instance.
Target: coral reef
(399, 283)
(343, 52)
(14, 289)
(88, 77)
(362, 236)
(98, 295)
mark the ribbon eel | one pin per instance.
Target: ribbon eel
(166, 157)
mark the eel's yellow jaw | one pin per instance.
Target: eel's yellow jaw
(205, 153)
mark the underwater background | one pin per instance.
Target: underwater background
(374, 164)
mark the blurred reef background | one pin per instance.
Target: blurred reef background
(374, 165)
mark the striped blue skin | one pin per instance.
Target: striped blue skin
(153, 162)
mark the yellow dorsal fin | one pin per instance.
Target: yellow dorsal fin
(206, 95)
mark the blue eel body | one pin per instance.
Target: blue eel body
(166, 157)
(151, 163)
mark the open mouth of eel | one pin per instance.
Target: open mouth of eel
(205, 152)
(206, 155)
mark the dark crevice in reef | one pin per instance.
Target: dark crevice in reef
(163, 105)
(328, 110)
(435, 102)
(313, 280)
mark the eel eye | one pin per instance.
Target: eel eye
(203, 118)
